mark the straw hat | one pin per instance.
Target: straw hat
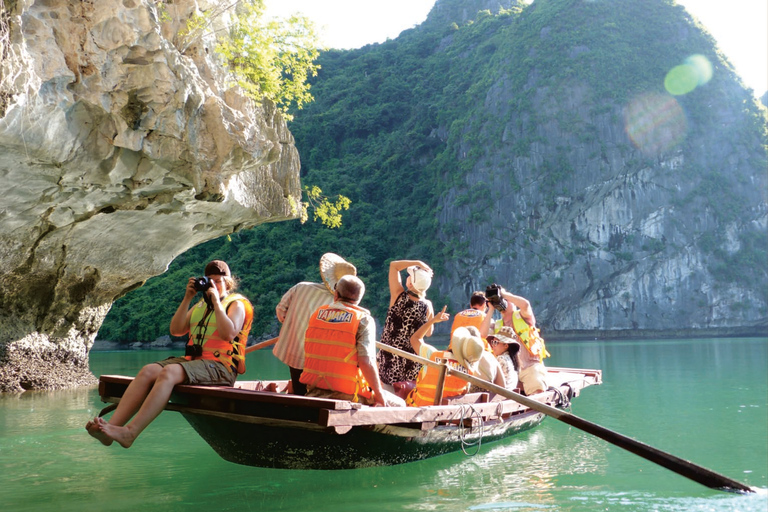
(466, 348)
(332, 268)
(420, 278)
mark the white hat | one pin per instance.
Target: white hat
(466, 348)
(420, 278)
(332, 268)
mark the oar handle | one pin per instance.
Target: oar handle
(263, 344)
(680, 466)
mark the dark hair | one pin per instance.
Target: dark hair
(477, 299)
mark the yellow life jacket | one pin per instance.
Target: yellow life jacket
(529, 336)
(330, 352)
(203, 331)
(426, 383)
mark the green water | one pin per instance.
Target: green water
(702, 400)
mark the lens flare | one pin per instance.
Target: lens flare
(655, 123)
(703, 67)
(682, 79)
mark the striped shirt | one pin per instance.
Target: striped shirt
(295, 308)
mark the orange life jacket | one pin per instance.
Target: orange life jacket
(330, 352)
(203, 331)
(426, 384)
(467, 318)
(529, 336)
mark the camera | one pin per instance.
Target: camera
(193, 350)
(492, 293)
(202, 283)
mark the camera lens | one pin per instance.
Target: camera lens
(202, 283)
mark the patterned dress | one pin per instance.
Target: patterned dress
(403, 319)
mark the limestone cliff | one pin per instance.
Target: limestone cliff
(619, 205)
(119, 152)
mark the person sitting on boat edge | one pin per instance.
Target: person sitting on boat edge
(505, 346)
(218, 327)
(409, 309)
(517, 313)
(295, 308)
(340, 350)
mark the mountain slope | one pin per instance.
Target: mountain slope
(538, 147)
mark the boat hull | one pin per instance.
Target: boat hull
(288, 447)
(253, 425)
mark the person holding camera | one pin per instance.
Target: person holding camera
(517, 313)
(218, 329)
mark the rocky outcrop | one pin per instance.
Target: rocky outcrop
(119, 152)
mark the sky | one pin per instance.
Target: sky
(740, 27)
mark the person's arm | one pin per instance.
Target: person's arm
(365, 340)
(526, 311)
(371, 374)
(485, 326)
(499, 380)
(417, 339)
(395, 282)
(285, 302)
(180, 321)
(430, 316)
(230, 322)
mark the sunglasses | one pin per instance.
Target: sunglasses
(494, 341)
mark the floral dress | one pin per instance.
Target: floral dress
(508, 369)
(403, 319)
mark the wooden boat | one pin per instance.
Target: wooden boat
(248, 425)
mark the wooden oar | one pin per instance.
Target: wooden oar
(263, 344)
(680, 466)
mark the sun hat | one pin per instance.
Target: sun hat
(505, 335)
(466, 348)
(420, 278)
(332, 268)
(217, 268)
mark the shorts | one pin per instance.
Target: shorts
(533, 379)
(203, 372)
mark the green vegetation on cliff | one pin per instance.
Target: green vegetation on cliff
(403, 128)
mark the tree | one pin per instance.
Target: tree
(271, 58)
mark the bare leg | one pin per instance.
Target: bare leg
(132, 399)
(153, 405)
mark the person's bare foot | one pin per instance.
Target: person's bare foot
(122, 435)
(93, 429)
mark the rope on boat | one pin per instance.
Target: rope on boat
(463, 431)
(563, 400)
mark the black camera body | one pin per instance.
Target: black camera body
(203, 283)
(193, 350)
(493, 294)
